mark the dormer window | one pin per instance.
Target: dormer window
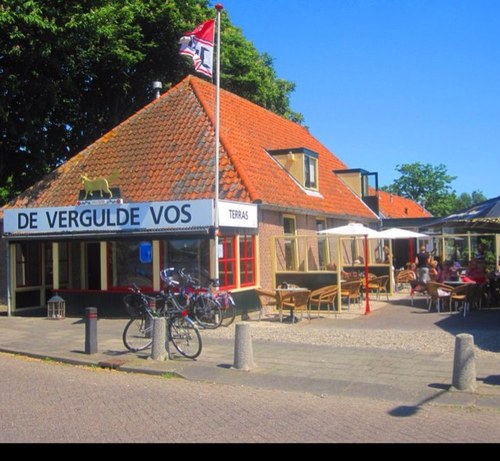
(310, 172)
(301, 164)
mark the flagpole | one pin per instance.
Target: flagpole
(219, 8)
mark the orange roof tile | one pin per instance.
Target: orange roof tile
(395, 206)
(166, 152)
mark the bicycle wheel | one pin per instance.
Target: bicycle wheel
(228, 314)
(138, 334)
(185, 337)
(207, 312)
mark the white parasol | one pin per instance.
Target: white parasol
(352, 230)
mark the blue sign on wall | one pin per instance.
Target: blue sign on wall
(145, 252)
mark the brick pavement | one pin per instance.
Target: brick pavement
(50, 402)
(407, 378)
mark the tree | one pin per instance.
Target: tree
(426, 184)
(466, 200)
(71, 71)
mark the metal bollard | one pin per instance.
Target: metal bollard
(243, 351)
(90, 330)
(158, 351)
(464, 363)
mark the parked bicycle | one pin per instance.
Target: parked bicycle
(198, 301)
(181, 330)
(225, 301)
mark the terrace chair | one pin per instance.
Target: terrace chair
(267, 300)
(462, 294)
(438, 294)
(404, 278)
(323, 296)
(379, 285)
(417, 287)
(351, 291)
(296, 302)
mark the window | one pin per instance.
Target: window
(247, 260)
(310, 172)
(322, 244)
(28, 264)
(192, 255)
(300, 163)
(125, 267)
(227, 262)
(289, 229)
(63, 263)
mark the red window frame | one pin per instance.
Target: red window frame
(226, 261)
(247, 278)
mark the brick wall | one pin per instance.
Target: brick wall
(271, 225)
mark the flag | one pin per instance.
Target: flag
(199, 44)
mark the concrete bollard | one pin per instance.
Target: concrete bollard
(464, 363)
(90, 330)
(243, 351)
(158, 351)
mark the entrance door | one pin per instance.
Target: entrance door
(93, 268)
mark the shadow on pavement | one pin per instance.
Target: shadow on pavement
(492, 380)
(483, 325)
(404, 411)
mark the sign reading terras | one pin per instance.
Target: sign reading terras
(132, 216)
(237, 214)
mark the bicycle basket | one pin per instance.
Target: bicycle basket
(134, 304)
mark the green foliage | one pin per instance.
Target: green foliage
(488, 244)
(71, 71)
(466, 200)
(430, 186)
(426, 184)
(169, 375)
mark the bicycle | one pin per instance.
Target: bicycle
(225, 301)
(191, 296)
(181, 330)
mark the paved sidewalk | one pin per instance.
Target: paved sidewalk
(410, 377)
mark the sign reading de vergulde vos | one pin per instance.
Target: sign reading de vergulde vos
(111, 217)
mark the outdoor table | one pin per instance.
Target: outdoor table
(456, 283)
(286, 293)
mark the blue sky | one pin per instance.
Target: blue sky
(387, 82)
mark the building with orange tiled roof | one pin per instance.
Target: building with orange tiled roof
(396, 207)
(141, 198)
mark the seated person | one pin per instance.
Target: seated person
(412, 267)
(446, 273)
(433, 271)
(387, 252)
(476, 272)
(416, 285)
(359, 260)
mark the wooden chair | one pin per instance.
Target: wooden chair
(418, 287)
(351, 291)
(325, 295)
(404, 278)
(462, 294)
(298, 301)
(438, 293)
(379, 285)
(267, 300)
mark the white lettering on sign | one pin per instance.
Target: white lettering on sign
(112, 217)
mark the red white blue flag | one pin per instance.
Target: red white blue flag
(199, 44)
